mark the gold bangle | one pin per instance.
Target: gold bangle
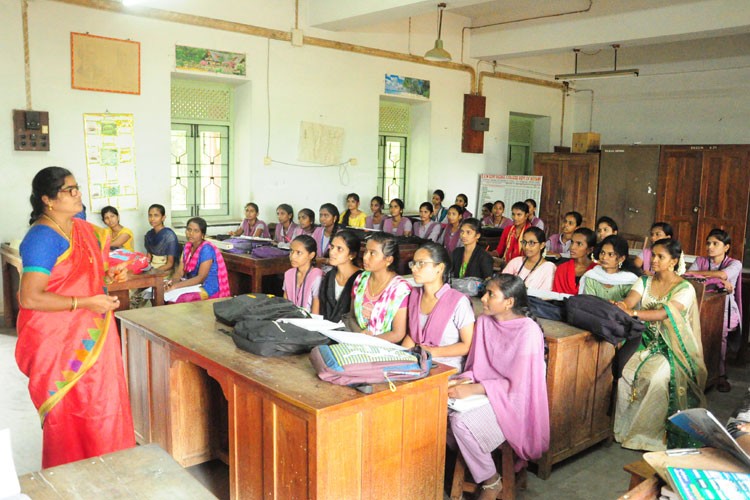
(74, 304)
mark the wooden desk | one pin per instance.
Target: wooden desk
(579, 390)
(290, 435)
(711, 311)
(140, 472)
(12, 268)
(246, 273)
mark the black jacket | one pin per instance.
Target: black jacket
(330, 308)
(479, 265)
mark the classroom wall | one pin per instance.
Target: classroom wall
(306, 84)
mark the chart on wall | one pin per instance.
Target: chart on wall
(509, 189)
(110, 158)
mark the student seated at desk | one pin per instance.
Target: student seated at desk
(329, 226)
(509, 246)
(336, 287)
(719, 265)
(439, 212)
(306, 223)
(379, 295)
(558, 245)
(426, 228)
(605, 226)
(286, 226)
(658, 231)
(615, 274)
(506, 363)
(201, 264)
(667, 373)
(440, 319)
(302, 281)
(497, 219)
(251, 225)
(353, 216)
(470, 261)
(463, 201)
(162, 246)
(397, 224)
(568, 274)
(535, 271)
(375, 221)
(451, 236)
(533, 219)
(121, 237)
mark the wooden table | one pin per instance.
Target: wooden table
(284, 432)
(144, 472)
(12, 268)
(579, 390)
(711, 311)
(246, 272)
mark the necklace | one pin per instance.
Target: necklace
(375, 292)
(58, 227)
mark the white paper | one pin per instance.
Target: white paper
(9, 486)
(173, 295)
(359, 339)
(466, 404)
(547, 294)
(253, 238)
(313, 324)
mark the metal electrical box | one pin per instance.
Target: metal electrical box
(30, 130)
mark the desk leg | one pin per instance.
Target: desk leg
(257, 282)
(159, 292)
(10, 320)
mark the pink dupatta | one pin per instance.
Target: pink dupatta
(507, 358)
(221, 268)
(441, 314)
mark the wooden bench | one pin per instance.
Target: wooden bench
(140, 472)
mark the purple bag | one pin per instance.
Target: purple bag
(269, 252)
(351, 364)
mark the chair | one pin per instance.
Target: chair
(506, 461)
(635, 241)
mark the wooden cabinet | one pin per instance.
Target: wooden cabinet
(569, 183)
(701, 188)
(628, 178)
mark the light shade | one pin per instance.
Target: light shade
(592, 75)
(438, 53)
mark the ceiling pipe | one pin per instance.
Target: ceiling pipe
(273, 34)
(517, 78)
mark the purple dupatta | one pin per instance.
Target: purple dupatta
(438, 319)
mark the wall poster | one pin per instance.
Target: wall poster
(509, 189)
(210, 61)
(407, 86)
(110, 158)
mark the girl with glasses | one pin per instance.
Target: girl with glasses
(441, 319)
(532, 268)
(470, 261)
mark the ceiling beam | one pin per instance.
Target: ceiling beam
(700, 19)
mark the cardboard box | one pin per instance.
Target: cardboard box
(583, 142)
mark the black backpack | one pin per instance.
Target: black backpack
(273, 338)
(256, 307)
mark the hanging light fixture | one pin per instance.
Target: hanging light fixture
(438, 53)
(591, 75)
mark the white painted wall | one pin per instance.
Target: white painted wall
(306, 83)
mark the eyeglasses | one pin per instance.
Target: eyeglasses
(419, 264)
(71, 190)
(529, 243)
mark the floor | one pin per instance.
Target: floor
(594, 474)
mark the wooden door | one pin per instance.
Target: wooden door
(549, 166)
(578, 187)
(628, 178)
(724, 196)
(678, 194)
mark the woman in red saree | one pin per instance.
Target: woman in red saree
(68, 344)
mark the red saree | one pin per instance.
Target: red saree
(73, 361)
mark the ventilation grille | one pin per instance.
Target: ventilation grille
(521, 130)
(190, 102)
(394, 118)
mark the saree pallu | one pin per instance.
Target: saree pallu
(668, 374)
(73, 361)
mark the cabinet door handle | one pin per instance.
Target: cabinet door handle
(696, 208)
(634, 210)
(559, 202)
